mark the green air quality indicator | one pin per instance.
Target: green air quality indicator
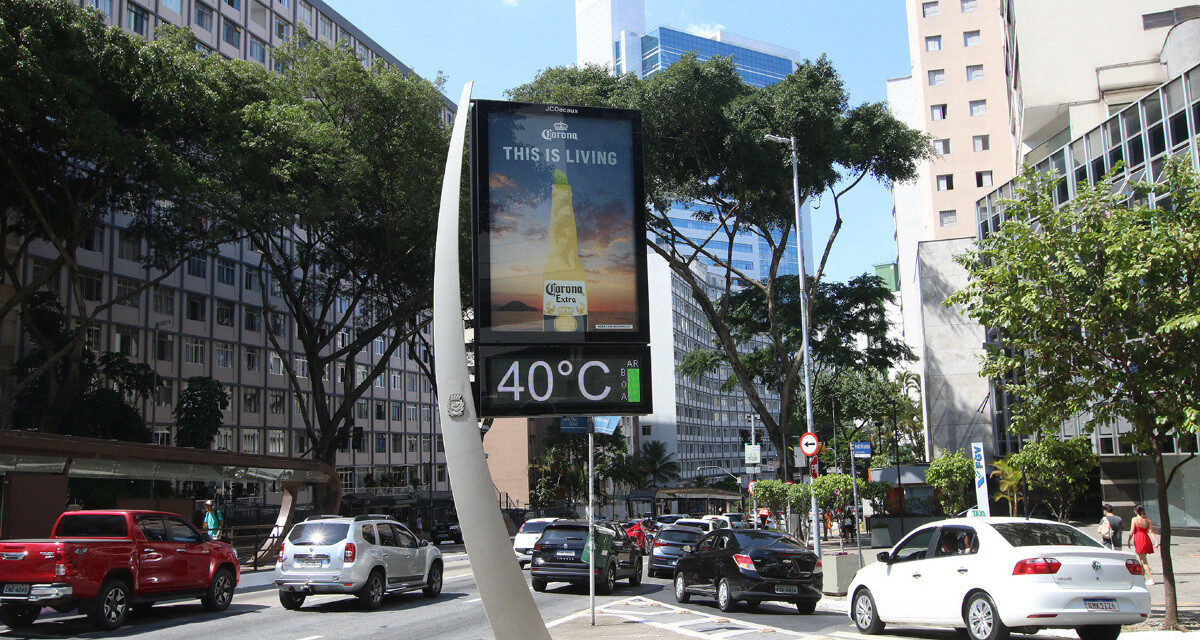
(633, 385)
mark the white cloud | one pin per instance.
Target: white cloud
(704, 29)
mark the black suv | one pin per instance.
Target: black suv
(750, 566)
(447, 530)
(558, 557)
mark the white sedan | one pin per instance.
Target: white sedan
(992, 575)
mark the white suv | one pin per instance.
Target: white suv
(368, 556)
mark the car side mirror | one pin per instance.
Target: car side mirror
(884, 557)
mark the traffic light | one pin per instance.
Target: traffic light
(358, 438)
(745, 434)
(342, 438)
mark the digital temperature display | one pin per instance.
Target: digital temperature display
(564, 380)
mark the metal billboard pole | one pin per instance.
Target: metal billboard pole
(591, 516)
(506, 599)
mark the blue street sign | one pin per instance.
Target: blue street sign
(861, 449)
(607, 425)
(575, 424)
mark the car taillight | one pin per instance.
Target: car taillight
(743, 561)
(660, 543)
(348, 556)
(1036, 566)
(62, 564)
(538, 546)
(1135, 567)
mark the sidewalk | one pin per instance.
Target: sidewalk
(638, 617)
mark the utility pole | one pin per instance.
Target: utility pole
(753, 476)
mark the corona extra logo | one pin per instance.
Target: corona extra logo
(559, 132)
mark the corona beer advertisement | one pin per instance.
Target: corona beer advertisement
(560, 234)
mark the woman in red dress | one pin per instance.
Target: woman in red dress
(1140, 540)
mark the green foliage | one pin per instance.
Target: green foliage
(772, 494)
(198, 412)
(799, 495)
(704, 145)
(1010, 480)
(1057, 472)
(875, 493)
(559, 474)
(834, 490)
(952, 475)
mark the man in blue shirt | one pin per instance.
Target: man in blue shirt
(214, 520)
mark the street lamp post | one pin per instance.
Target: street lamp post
(808, 411)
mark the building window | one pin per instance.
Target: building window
(941, 147)
(129, 246)
(224, 313)
(204, 16)
(258, 50)
(173, 5)
(969, 5)
(251, 401)
(397, 380)
(250, 281)
(223, 355)
(258, 13)
(164, 395)
(397, 411)
(164, 347)
(232, 34)
(326, 28)
(981, 143)
(253, 359)
(301, 365)
(225, 271)
(274, 364)
(164, 301)
(236, 5)
(197, 266)
(930, 9)
(305, 13)
(253, 320)
(193, 351)
(139, 20)
(196, 305)
(127, 289)
(105, 6)
(933, 43)
(127, 342)
(937, 77)
(224, 440)
(362, 52)
(380, 410)
(250, 441)
(983, 178)
(360, 410)
(972, 39)
(282, 29)
(945, 182)
(937, 112)
(978, 107)
(974, 72)
(276, 441)
(94, 240)
(276, 403)
(948, 218)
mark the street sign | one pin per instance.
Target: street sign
(574, 424)
(812, 468)
(861, 449)
(809, 444)
(559, 229)
(754, 454)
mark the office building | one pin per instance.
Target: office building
(206, 319)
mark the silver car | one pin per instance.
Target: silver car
(367, 556)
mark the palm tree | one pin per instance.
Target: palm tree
(1009, 477)
(659, 465)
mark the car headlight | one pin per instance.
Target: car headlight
(453, 527)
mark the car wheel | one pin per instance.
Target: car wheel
(681, 589)
(111, 606)
(866, 616)
(806, 607)
(983, 621)
(606, 582)
(1099, 632)
(636, 578)
(291, 600)
(371, 593)
(433, 586)
(220, 591)
(538, 584)
(725, 600)
(17, 616)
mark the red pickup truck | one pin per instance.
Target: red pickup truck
(104, 562)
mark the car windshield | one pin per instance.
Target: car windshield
(735, 517)
(91, 525)
(533, 527)
(563, 535)
(765, 540)
(319, 532)
(1038, 534)
(679, 535)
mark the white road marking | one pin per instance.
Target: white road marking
(312, 638)
(473, 600)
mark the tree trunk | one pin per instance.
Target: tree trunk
(1171, 617)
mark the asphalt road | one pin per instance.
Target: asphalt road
(456, 615)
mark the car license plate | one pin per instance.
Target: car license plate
(16, 589)
(566, 554)
(309, 562)
(787, 589)
(1107, 604)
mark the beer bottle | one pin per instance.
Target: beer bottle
(564, 300)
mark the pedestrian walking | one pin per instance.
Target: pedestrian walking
(1111, 527)
(1139, 538)
(214, 520)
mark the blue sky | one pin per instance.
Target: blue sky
(503, 43)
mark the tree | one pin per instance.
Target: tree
(952, 475)
(93, 120)
(659, 465)
(198, 412)
(834, 490)
(1089, 300)
(559, 473)
(333, 175)
(1009, 482)
(1056, 472)
(704, 149)
(771, 494)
